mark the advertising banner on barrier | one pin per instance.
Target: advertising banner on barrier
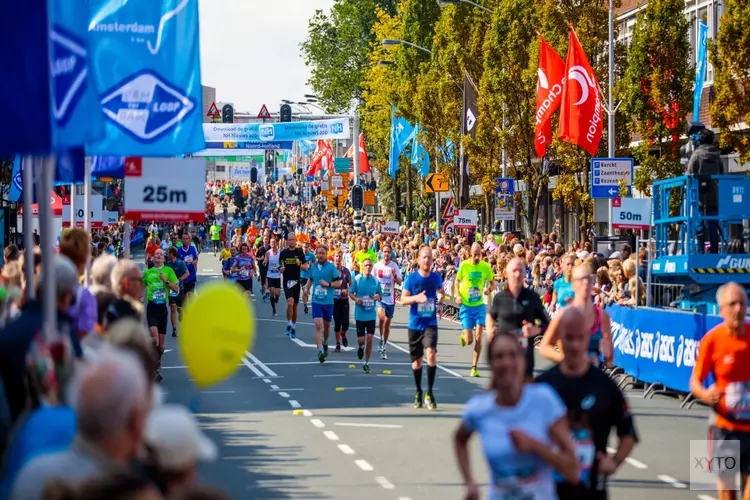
(658, 346)
(337, 128)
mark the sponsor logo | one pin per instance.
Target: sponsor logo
(337, 128)
(658, 347)
(266, 132)
(471, 120)
(732, 262)
(146, 106)
(580, 75)
(68, 71)
(18, 180)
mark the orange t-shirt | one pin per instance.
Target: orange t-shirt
(728, 359)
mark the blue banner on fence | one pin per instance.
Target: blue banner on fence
(658, 346)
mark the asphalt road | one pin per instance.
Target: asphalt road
(289, 427)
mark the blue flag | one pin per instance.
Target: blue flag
(146, 64)
(16, 184)
(402, 133)
(108, 166)
(700, 70)
(70, 167)
(419, 156)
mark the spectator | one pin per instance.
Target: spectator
(101, 273)
(117, 486)
(127, 284)
(75, 244)
(706, 161)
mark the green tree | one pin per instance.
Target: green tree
(337, 48)
(730, 56)
(658, 89)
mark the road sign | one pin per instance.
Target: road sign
(608, 173)
(336, 202)
(213, 111)
(450, 209)
(436, 183)
(631, 213)
(369, 198)
(264, 113)
(505, 203)
(342, 165)
(96, 215)
(465, 218)
(448, 227)
(165, 189)
(390, 227)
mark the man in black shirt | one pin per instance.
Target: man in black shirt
(595, 405)
(518, 309)
(292, 260)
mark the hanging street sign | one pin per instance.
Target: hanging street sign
(436, 183)
(608, 173)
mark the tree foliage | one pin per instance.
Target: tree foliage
(337, 48)
(658, 89)
(730, 56)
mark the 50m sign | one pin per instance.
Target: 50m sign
(165, 189)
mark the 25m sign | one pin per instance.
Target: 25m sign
(165, 189)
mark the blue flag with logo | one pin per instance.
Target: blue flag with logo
(146, 64)
(419, 156)
(402, 133)
(108, 166)
(700, 70)
(16, 184)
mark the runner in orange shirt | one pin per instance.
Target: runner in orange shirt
(725, 354)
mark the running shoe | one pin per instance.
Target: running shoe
(474, 371)
(344, 340)
(361, 352)
(338, 348)
(325, 348)
(383, 354)
(288, 330)
(174, 332)
(366, 368)
(307, 311)
(429, 400)
(418, 400)
(293, 333)
(462, 340)
(321, 356)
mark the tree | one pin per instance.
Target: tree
(730, 56)
(658, 89)
(337, 49)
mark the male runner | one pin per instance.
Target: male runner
(388, 274)
(189, 255)
(260, 257)
(215, 232)
(341, 302)
(365, 290)
(175, 298)
(423, 291)
(158, 280)
(309, 258)
(273, 264)
(292, 261)
(471, 281)
(324, 278)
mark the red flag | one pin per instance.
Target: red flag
(581, 107)
(549, 89)
(364, 162)
(323, 150)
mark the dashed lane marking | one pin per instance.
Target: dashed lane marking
(267, 381)
(631, 461)
(288, 390)
(330, 362)
(317, 423)
(440, 367)
(294, 403)
(672, 481)
(217, 392)
(346, 449)
(331, 435)
(330, 375)
(374, 426)
(283, 394)
(260, 364)
(362, 464)
(274, 387)
(384, 483)
(705, 497)
(257, 372)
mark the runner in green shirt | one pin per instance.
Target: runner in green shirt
(215, 231)
(159, 280)
(474, 276)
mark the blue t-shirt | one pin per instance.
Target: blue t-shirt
(423, 315)
(188, 257)
(244, 267)
(564, 291)
(179, 269)
(328, 273)
(514, 474)
(310, 259)
(365, 288)
(227, 266)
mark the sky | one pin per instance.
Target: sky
(250, 50)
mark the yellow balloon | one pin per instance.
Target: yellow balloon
(218, 326)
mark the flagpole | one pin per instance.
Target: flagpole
(612, 109)
(28, 222)
(87, 207)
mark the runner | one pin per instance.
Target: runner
(595, 405)
(158, 280)
(518, 309)
(423, 291)
(244, 268)
(292, 262)
(260, 257)
(524, 432)
(341, 302)
(273, 280)
(175, 298)
(324, 278)
(389, 275)
(562, 289)
(365, 290)
(227, 267)
(189, 255)
(725, 354)
(304, 274)
(472, 281)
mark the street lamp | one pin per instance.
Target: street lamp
(311, 96)
(311, 102)
(388, 42)
(444, 3)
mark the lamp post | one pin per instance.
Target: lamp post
(390, 41)
(445, 3)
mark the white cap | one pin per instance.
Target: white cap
(615, 255)
(176, 438)
(582, 254)
(518, 248)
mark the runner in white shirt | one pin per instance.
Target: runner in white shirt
(273, 278)
(388, 274)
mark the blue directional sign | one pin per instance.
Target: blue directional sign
(280, 145)
(606, 175)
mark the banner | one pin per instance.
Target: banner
(505, 202)
(337, 128)
(700, 70)
(402, 132)
(145, 60)
(658, 346)
(549, 87)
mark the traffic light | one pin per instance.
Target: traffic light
(254, 175)
(358, 197)
(285, 113)
(270, 157)
(227, 113)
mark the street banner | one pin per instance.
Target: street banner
(549, 87)
(165, 189)
(700, 70)
(505, 202)
(337, 128)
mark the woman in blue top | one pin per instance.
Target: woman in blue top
(562, 289)
(229, 275)
(244, 268)
(365, 292)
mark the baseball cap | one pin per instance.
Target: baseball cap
(615, 255)
(582, 254)
(176, 438)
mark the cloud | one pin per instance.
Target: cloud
(250, 50)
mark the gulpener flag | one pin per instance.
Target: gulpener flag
(549, 89)
(581, 106)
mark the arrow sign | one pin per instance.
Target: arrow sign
(613, 191)
(213, 111)
(435, 183)
(264, 113)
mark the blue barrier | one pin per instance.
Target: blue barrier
(657, 346)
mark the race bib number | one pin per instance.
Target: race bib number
(737, 399)
(516, 495)
(387, 289)
(172, 293)
(245, 272)
(188, 259)
(427, 309)
(158, 296)
(586, 452)
(274, 268)
(475, 294)
(320, 293)
(291, 284)
(367, 303)
(338, 293)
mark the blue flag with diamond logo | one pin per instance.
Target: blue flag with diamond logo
(146, 64)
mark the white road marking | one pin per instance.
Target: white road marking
(275, 387)
(397, 376)
(384, 483)
(283, 394)
(631, 461)
(672, 481)
(374, 426)
(260, 364)
(267, 381)
(363, 465)
(287, 390)
(331, 375)
(307, 413)
(295, 404)
(264, 378)
(329, 362)
(302, 343)
(331, 435)
(317, 423)
(346, 449)
(705, 497)
(217, 392)
(440, 367)
(283, 321)
(247, 363)
(356, 388)
(404, 498)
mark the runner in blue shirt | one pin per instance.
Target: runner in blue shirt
(227, 266)
(189, 255)
(562, 289)
(423, 292)
(323, 278)
(365, 291)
